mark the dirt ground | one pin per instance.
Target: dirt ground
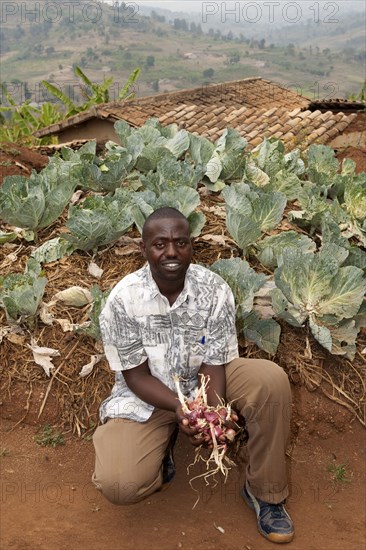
(19, 161)
(48, 500)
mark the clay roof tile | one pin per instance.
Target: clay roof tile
(295, 111)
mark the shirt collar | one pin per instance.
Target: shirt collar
(188, 290)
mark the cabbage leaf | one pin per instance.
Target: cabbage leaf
(249, 212)
(270, 249)
(244, 283)
(185, 199)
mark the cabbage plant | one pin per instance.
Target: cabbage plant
(36, 202)
(152, 142)
(99, 220)
(250, 212)
(21, 294)
(316, 289)
(172, 173)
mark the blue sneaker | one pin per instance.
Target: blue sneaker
(274, 523)
(168, 466)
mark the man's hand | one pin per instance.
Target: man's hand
(195, 437)
(193, 434)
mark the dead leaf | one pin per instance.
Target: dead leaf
(17, 339)
(87, 369)
(45, 314)
(127, 250)
(76, 196)
(10, 258)
(219, 211)
(13, 333)
(125, 239)
(76, 296)
(42, 356)
(67, 326)
(217, 239)
(95, 270)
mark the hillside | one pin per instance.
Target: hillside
(320, 61)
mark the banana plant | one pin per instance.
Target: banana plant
(24, 119)
(92, 92)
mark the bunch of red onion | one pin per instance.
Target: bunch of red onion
(211, 423)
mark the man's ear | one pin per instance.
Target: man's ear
(142, 248)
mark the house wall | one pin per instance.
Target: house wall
(101, 130)
(353, 139)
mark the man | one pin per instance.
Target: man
(175, 319)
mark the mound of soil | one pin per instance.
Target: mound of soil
(358, 155)
(16, 160)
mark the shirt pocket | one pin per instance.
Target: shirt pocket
(196, 354)
(156, 356)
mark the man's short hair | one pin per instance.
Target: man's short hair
(165, 212)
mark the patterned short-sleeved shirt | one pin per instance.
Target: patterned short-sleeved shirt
(138, 324)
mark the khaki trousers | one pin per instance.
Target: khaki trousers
(129, 454)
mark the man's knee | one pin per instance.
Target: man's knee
(274, 395)
(121, 491)
(261, 387)
(278, 381)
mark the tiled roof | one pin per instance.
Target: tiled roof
(257, 108)
(337, 104)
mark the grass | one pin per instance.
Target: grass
(49, 438)
(339, 472)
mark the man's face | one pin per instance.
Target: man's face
(168, 249)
